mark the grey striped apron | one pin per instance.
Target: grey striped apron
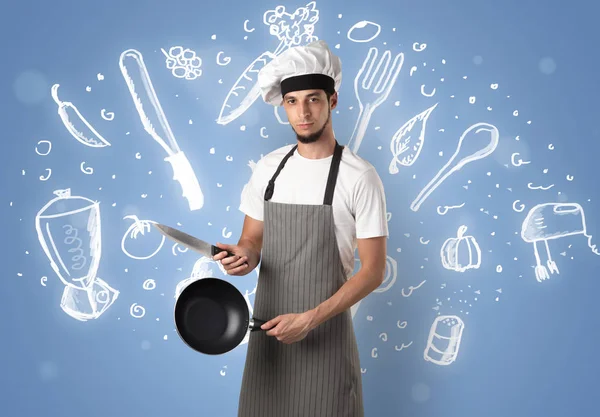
(318, 376)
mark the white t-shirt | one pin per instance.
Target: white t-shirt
(359, 204)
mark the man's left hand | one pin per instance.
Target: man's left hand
(289, 328)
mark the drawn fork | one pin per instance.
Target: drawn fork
(369, 97)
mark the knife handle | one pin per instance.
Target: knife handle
(216, 250)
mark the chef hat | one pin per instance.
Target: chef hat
(307, 67)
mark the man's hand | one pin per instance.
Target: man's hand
(289, 328)
(244, 260)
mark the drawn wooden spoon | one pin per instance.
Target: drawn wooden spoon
(485, 143)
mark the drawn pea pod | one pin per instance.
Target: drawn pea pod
(85, 133)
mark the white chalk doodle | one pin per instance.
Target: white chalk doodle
(422, 241)
(291, 29)
(137, 311)
(143, 228)
(453, 250)
(149, 284)
(401, 325)
(418, 47)
(364, 27)
(86, 135)
(383, 337)
(89, 303)
(246, 27)
(180, 249)
(132, 64)
(109, 116)
(68, 229)
(47, 176)
(412, 70)
(225, 60)
(427, 94)
(409, 140)
(519, 161)
(49, 147)
(570, 178)
(549, 221)
(86, 170)
(402, 347)
(225, 234)
(43, 280)
(411, 289)
(278, 117)
(183, 63)
(443, 210)
(444, 339)
(521, 206)
(371, 96)
(483, 143)
(539, 187)
(262, 133)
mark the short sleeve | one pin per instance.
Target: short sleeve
(370, 206)
(252, 201)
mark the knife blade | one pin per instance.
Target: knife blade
(190, 241)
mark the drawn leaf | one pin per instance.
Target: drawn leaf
(408, 140)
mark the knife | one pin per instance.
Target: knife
(189, 241)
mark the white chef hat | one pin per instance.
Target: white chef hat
(306, 67)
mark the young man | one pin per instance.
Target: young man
(305, 362)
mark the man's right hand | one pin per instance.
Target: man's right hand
(244, 260)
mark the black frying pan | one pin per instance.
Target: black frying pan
(212, 317)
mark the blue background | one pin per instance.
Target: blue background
(528, 347)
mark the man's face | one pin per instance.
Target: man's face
(309, 113)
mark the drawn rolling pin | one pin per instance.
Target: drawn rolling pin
(135, 73)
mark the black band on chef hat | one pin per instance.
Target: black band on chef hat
(308, 82)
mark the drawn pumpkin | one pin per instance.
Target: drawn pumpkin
(461, 252)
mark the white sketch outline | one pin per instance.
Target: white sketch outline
(449, 167)
(361, 25)
(447, 354)
(534, 229)
(449, 252)
(63, 107)
(182, 170)
(139, 226)
(373, 96)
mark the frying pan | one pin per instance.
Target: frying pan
(212, 317)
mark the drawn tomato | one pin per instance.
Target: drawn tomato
(143, 228)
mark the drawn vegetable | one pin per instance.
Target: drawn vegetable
(405, 140)
(453, 250)
(86, 135)
(291, 30)
(140, 227)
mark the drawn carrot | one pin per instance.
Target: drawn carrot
(284, 26)
(245, 87)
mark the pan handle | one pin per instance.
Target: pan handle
(256, 323)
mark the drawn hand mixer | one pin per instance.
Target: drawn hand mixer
(550, 221)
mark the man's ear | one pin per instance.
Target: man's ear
(333, 100)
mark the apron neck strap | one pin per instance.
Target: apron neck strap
(331, 179)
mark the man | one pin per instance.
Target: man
(306, 363)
